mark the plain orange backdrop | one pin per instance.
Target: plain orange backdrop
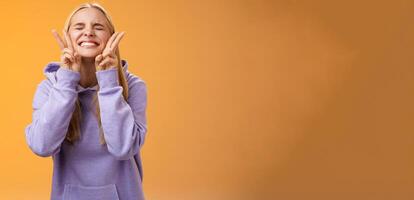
(247, 99)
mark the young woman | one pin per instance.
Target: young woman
(89, 113)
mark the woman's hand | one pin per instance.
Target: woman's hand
(108, 58)
(69, 59)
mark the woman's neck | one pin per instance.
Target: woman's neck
(87, 73)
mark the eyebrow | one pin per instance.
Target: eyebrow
(83, 24)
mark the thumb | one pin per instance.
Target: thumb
(98, 59)
(77, 57)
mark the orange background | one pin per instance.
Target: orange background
(247, 99)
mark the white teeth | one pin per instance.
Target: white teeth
(87, 44)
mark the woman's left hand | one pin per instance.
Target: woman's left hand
(108, 59)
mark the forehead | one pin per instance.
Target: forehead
(89, 15)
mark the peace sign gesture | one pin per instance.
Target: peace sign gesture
(108, 58)
(69, 59)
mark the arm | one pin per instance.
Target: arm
(123, 123)
(53, 106)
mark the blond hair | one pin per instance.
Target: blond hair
(74, 133)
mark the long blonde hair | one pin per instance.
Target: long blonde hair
(74, 133)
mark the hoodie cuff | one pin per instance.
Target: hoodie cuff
(107, 78)
(67, 78)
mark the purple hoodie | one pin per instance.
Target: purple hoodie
(88, 170)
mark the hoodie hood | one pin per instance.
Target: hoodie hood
(52, 67)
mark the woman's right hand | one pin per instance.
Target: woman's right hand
(69, 59)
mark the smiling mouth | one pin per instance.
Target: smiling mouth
(88, 44)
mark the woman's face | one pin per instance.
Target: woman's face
(89, 32)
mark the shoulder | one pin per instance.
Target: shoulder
(134, 81)
(137, 87)
(43, 88)
(49, 71)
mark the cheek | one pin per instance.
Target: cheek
(104, 38)
(74, 36)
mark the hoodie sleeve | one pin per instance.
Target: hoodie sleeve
(123, 123)
(53, 106)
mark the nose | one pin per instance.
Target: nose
(88, 32)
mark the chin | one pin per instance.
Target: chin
(89, 54)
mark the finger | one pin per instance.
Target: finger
(117, 40)
(98, 59)
(71, 54)
(76, 56)
(107, 61)
(67, 57)
(66, 50)
(109, 43)
(58, 39)
(111, 40)
(68, 41)
(107, 53)
(111, 50)
(103, 61)
(114, 45)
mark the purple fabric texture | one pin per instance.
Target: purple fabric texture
(89, 170)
